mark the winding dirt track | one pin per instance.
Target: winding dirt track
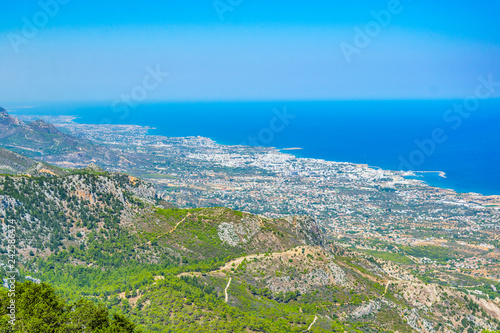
(227, 287)
(314, 321)
(178, 223)
(166, 233)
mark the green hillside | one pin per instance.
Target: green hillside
(110, 239)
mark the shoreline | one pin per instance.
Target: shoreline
(293, 148)
(68, 119)
(441, 174)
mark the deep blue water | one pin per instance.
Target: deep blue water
(378, 133)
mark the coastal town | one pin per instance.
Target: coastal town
(348, 196)
(360, 207)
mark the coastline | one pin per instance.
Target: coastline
(293, 148)
(441, 174)
(62, 120)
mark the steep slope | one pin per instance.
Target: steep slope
(13, 163)
(50, 212)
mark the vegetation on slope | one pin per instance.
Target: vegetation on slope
(38, 309)
(106, 237)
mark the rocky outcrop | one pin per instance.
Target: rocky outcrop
(238, 233)
(338, 274)
(366, 309)
(7, 120)
(309, 229)
(227, 234)
(94, 168)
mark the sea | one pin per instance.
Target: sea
(460, 138)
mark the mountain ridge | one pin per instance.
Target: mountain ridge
(45, 142)
(7, 120)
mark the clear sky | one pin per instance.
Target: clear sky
(246, 50)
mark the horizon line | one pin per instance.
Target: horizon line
(28, 105)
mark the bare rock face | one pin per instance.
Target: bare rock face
(8, 124)
(238, 233)
(141, 189)
(227, 234)
(488, 306)
(8, 120)
(366, 309)
(248, 227)
(309, 228)
(338, 274)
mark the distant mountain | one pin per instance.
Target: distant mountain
(37, 138)
(7, 120)
(43, 141)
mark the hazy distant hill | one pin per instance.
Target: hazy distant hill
(43, 141)
(6, 121)
(37, 138)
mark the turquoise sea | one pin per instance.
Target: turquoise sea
(418, 135)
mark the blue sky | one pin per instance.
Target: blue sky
(246, 50)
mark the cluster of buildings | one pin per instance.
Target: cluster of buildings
(364, 206)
